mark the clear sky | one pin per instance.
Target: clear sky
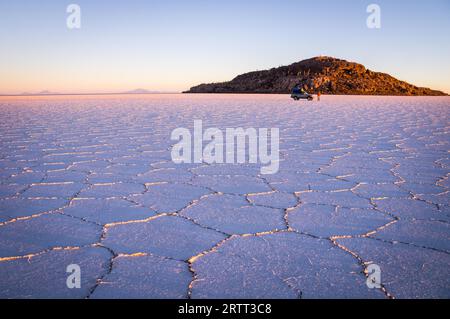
(172, 45)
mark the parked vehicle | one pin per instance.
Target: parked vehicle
(300, 94)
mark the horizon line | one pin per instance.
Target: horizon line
(89, 93)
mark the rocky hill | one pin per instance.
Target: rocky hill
(320, 74)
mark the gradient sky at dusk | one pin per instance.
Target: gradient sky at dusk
(172, 45)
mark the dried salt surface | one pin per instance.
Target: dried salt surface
(343, 199)
(33, 235)
(232, 214)
(380, 191)
(61, 176)
(168, 236)
(109, 190)
(421, 233)
(407, 271)
(89, 180)
(327, 221)
(107, 211)
(282, 265)
(10, 190)
(274, 199)
(164, 175)
(411, 209)
(145, 276)
(43, 275)
(234, 184)
(59, 190)
(26, 177)
(19, 207)
(165, 198)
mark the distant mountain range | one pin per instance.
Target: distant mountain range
(46, 92)
(142, 91)
(323, 74)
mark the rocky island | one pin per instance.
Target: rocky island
(327, 75)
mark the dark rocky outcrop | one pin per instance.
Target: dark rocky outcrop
(320, 74)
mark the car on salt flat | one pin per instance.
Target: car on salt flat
(300, 94)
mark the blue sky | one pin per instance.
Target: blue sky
(172, 45)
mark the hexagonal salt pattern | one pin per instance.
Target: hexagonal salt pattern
(90, 181)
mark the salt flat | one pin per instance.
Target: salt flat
(89, 180)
